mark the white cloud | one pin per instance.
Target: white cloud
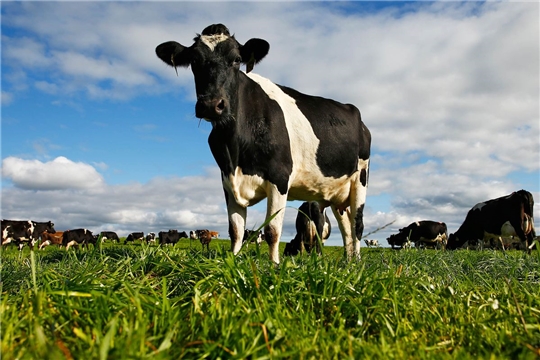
(60, 173)
(7, 98)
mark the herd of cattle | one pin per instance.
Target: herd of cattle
(21, 232)
(502, 223)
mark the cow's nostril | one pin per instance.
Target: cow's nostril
(221, 105)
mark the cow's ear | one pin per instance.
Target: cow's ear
(253, 51)
(173, 54)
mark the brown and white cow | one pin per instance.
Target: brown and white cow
(271, 141)
(48, 238)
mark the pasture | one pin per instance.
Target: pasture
(178, 302)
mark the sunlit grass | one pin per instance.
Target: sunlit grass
(135, 301)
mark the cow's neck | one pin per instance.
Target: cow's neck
(226, 137)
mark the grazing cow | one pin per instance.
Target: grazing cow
(510, 215)
(109, 235)
(271, 141)
(168, 237)
(422, 233)
(205, 237)
(370, 243)
(17, 231)
(48, 238)
(150, 237)
(39, 228)
(311, 224)
(253, 236)
(77, 237)
(134, 236)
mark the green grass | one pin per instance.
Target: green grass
(139, 301)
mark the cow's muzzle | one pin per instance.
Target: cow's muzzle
(210, 109)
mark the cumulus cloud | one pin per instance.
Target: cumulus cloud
(60, 173)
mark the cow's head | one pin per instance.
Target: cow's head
(453, 242)
(397, 239)
(215, 60)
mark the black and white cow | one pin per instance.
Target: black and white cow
(138, 235)
(271, 141)
(109, 235)
(150, 237)
(422, 233)
(253, 236)
(39, 228)
(370, 243)
(510, 215)
(77, 237)
(312, 225)
(168, 237)
(18, 232)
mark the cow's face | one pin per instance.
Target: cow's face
(215, 60)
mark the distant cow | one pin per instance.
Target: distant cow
(193, 235)
(253, 236)
(77, 237)
(48, 238)
(168, 237)
(311, 224)
(150, 237)
(205, 238)
(271, 141)
(109, 235)
(134, 236)
(422, 233)
(371, 243)
(510, 215)
(183, 235)
(40, 227)
(18, 232)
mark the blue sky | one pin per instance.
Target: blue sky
(97, 132)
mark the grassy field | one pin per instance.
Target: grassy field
(139, 301)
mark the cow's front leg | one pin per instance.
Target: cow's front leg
(272, 231)
(237, 224)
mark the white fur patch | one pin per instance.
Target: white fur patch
(212, 40)
(246, 189)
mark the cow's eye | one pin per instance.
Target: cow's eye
(237, 60)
